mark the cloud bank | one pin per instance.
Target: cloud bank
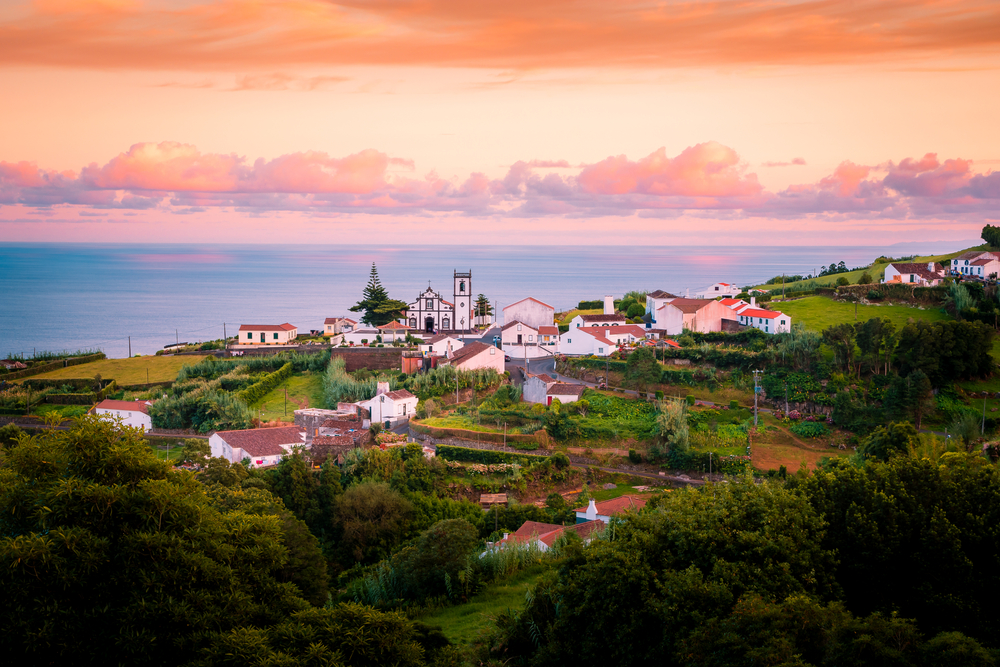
(706, 179)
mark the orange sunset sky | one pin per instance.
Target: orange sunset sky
(515, 121)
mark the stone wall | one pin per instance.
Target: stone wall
(377, 358)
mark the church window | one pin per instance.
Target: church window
(461, 286)
(446, 323)
(413, 323)
(430, 303)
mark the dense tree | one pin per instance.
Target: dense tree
(196, 450)
(376, 305)
(109, 557)
(840, 338)
(642, 368)
(482, 309)
(946, 350)
(919, 396)
(875, 339)
(374, 519)
(991, 235)
(887, 441)
(438, 555)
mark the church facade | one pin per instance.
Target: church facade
(431, 313)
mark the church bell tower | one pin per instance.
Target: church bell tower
(463, 301)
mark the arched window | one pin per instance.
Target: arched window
(413, 323)
(461, 286)
(446, 323)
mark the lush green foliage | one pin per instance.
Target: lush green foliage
(260, 389)
(809, 429)
(449, 453)
(211, 367)
(340, 386)
(376, 305)
(205, 409)
(441, 380)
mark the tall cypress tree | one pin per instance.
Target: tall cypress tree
(379, 309)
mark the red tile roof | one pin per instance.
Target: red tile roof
(547, 330)
(982, 262)
(672, 343)
(565, 389)
(132, 406)
(545, 378)
(470, 350)
(263, 441)
(634, 329)
(660, 294)
(399, 395)
(548, 533)
(689, 305)
(602, 318)
(394, 325)
(756, 312)
(510, 324)
(617, 505)
(334, 320)
(596, 332)
(267, 327)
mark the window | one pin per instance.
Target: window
(493, 350)
(782, 321)
(518, 327)
(716, 289)
(249, 335)
(430, 303)
(600, 350)
(577, 325)
(413, 323)
(569, 340)
(275, 336)
(461, 286)
(531, 338)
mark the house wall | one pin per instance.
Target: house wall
(133, 418)
(529, 335)
(565, 398)
(445, 346)
(491, 358)
(710, 317)
(534, 390)
(530, 312)
(671, 319)
(382, 407)
(252, 337)
(221, 449)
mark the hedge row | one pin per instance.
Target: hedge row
(727, 465)
(53, 365)
(498, 438)
(83, 385)
(668, 376)
(262, 387)
(82, 399)
(450, 453)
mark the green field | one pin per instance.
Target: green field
(304, 391)
(576, 311)
(127, 371)
(875, 270)
(461, 624)
(818, 312)
(64, 411)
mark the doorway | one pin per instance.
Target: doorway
(429, 325)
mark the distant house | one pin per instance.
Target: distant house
(391, 406)
(476, 355)
(362, 335)
(549, 335)
(132, 413)
(564, 393)
(544, 535)
(716, 290)
(920, 273)
(338, 325)
(655, 301)
(518, 333)
(734, 304)
(267, 334)
(260, 446)
(965, 263)
(768, 321)
(13, 365)
(530, 311)
(603, 511)
(701, 315)
(441, 344)
(596, 320)
(599, 341)
(536, 388)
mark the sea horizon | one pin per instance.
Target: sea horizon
(73, 296)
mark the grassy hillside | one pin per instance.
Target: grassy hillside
(127, 371)
(576, 311)
(304, 391)
(818, 312)
(876, 270)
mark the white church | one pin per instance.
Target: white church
(431, 313)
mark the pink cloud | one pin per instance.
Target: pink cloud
(709, 169)
(795, 162)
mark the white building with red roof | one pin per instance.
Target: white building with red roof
(530, 311)
(716, 290)
(132, 413)
(390, 406)
(338, 325)
(599, 341)
(768, 321)
(260, 446)
(267, 334)
(701, 315)
(598, 320)
(932, 273)
(476, 356)
(543, 536)
(604, 510)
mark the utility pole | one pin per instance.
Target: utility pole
(782, 284)
(129, 347)
(982, 429)
(756, 391)
(225, 338)
(177, 336)
(286, 401)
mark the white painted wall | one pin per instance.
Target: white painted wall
(135, 418)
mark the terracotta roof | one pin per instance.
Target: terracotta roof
(133, 406)
(596, 332)
(617, 505)
(564, 389)
(392, 326)
(334, 320)
(399, 395)
(602, 318)
(547, 330)
(919, 269)
(437, 338)
(974, 254)
(267, 327)
(660, 294)
(530, 298)
(689, 305)
(983, 262)
(730, 302)
(545, 378)
(756, 312)
(672, 343)
(510, 324)
(633, 329)
(263, 441)
(470, 350)
(548, 533)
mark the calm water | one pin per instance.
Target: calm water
(74, 296)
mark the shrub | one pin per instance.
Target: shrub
(260, 389)
(809, 429)
(635, 310)
(734, 404)
(634, 456)
(690, 399)
(842, 281)
(874, 295)
(865, 279)
(659, 395)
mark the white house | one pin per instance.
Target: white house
(701, 315)
(267, 334)
(549, 336)
(564, 393)
(597, 320)
(768, 321)
(261, 446)
(655, 301)
(530, 311)
(441, 344)
(603, 511)
(735, 304)
(518, 333)
(599, 341)
(338, 325)
(476, 355)
(536, 388)
(920, 273)
(391, 406)
(718, 289)
(964, 264)
(132, 413)
(544, 535)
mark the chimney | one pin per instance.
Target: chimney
(383, 388)
(591, 511)
(609, 304)
(506, 535)
(753, 302)
(930, 266)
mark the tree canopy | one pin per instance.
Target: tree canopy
(376, 305)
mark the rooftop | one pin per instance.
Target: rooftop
(264, 441)
(617, 505)
(660, 294)
(268, 327)
(134, 406)
(470, 350)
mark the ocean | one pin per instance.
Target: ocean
(59, 297)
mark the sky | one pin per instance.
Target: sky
(515, 122)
